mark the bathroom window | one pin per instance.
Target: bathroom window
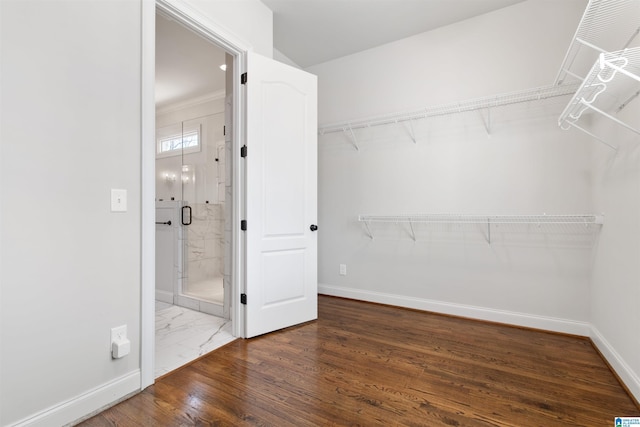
(176, 144)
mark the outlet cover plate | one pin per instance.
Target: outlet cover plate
(119, 333)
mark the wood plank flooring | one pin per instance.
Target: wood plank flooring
(369, 365)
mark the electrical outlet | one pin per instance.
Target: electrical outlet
(119, 333)
(120, 345)
(343, 269)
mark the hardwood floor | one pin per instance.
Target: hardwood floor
(366, 364)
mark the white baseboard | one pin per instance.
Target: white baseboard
(164, 296)
(617, 363)
(91, 402)
(501, 316)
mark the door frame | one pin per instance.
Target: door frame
(212, 31)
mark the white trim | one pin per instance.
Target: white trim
(182, 12)
(164, 296)
(185, 14)
(239, 189)
(565, 326)
(626, 374)
(85, 405)
(193, 102)
(148, 194)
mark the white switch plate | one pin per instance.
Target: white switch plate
(118, 200)
(343, 269)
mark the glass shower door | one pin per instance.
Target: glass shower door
(202, 213)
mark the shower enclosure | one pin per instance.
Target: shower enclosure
(190, 213)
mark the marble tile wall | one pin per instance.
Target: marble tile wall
(205, 242)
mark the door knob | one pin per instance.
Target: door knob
(313, 227)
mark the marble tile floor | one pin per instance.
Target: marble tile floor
(183, 335)
(209, 290)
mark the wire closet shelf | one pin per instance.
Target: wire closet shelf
(488, 220)
(488, 102)
(594, 36)
(612, 82)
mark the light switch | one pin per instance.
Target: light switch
(118, 200)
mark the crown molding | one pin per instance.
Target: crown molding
(192, 102)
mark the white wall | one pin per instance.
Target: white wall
(514, 48)
(70, 133)
(531, 276)
(281, 57)
(615, 288)
(248, 20)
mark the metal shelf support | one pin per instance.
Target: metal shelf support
(593, 36)
(411, 131)
(617, 72)
(592, 135)
(487, 123)
(609, 116)
(354, 140)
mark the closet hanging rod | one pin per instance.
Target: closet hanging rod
(535, 94)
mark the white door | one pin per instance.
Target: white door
(281, 205)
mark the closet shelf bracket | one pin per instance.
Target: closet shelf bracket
(592, 135)
(487, 123)
(627, 101)
(366, 224)
(354, 140)
(412, 133)
(614, 73)
(593, 35)
(609, 116)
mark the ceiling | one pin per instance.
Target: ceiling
(310, 32)
(187, 66)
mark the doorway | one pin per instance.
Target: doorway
(192, 187)
(282, 117)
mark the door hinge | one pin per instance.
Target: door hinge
(243, 225)
(243, 78)
(243, 151)
(243, 299)
(224, 130)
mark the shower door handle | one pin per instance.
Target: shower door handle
(182, 219)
